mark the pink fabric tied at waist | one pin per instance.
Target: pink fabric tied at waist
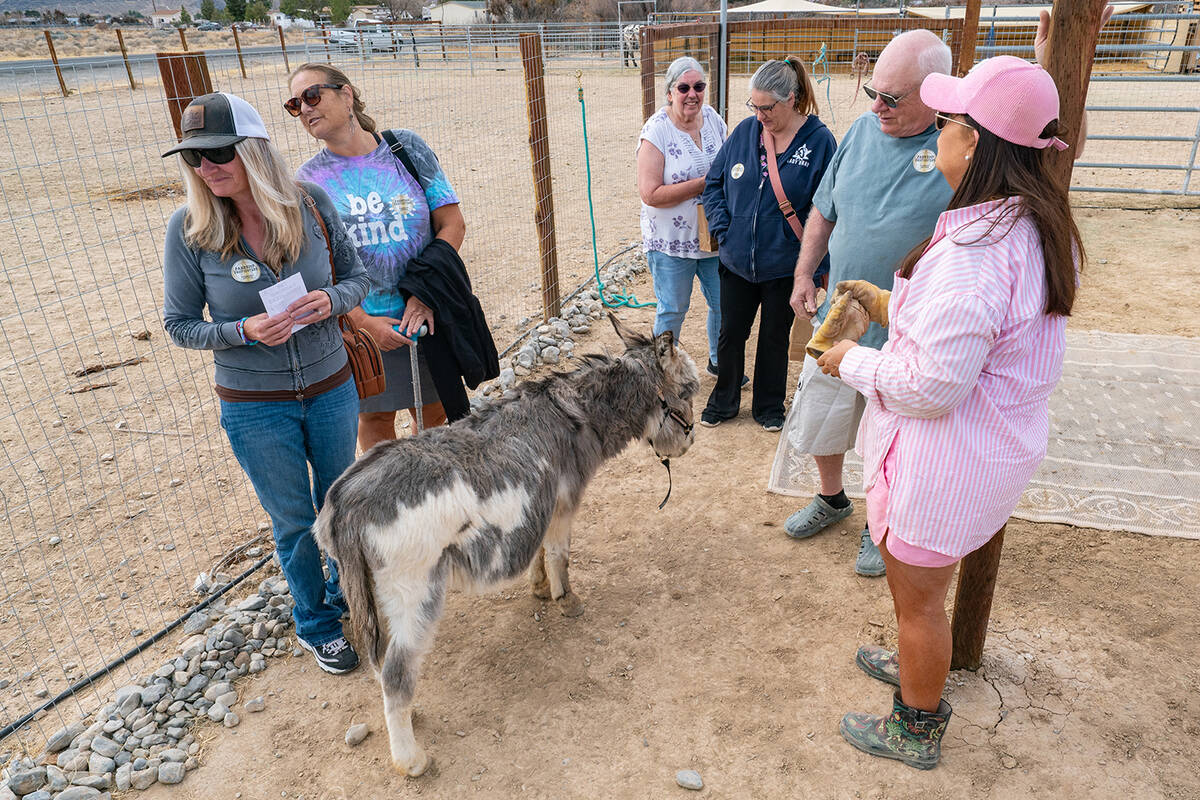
(877, 504)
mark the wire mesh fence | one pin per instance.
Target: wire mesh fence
(118, 487)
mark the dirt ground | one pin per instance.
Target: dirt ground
(711, 641)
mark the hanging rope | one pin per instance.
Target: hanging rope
(608, 298)
(820, 68)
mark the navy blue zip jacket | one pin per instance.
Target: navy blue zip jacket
(756, 241)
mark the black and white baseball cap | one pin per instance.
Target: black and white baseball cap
(218, 120)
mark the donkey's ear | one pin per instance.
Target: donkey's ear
(628, 335)
(664, 347)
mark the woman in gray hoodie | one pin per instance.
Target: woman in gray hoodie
(288, 401)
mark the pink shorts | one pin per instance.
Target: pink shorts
(877, 503)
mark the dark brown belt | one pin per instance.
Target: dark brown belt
(307, 393)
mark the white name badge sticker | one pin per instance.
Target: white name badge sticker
(923, 160)
(736, 171)
(245, 270)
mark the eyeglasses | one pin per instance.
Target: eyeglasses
(216, 155)
(684, 88)
(764, 109)
(889, 100)
(310, 97)
(940, 120)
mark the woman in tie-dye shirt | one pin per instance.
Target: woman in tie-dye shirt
(391, 215)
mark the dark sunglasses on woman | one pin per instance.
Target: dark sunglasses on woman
(216, 155)
(684, 88)
(310, 97)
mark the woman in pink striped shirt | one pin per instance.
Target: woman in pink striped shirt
(957, 401)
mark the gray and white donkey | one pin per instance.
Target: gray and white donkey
(478, 502)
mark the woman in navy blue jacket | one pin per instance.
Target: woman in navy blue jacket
(758, 245)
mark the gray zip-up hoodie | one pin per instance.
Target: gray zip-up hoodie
(229, 287)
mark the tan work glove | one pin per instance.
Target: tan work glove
(847, 319)
(873, 299)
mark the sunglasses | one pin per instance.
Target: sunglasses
(215, 155)
(891, 101)
(764, 109)
(310, 97)
(940, 120)
(684, 88)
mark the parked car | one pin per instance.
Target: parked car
(368, 34)
(208, 25)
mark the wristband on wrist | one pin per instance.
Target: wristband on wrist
(241, 332)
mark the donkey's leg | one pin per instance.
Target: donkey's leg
(558, 551)
(412, 619)
(538, 582)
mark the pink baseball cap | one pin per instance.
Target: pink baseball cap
(1007, 95)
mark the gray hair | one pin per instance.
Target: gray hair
(678, 67)
(934, 57)
(776, 79)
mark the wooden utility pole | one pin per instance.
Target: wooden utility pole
(970, 34)
(1074, 29)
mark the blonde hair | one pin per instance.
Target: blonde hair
(213, 223)
(334, 75)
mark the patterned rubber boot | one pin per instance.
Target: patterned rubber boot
(907, 734)
(880, 663)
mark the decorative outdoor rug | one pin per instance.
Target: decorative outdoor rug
(1124, 451)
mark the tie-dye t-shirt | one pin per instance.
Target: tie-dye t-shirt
(385, 211)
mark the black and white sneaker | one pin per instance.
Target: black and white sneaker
(336, 657)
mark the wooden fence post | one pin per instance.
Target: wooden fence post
(237, 44)
(184, 78)
(442, 37)
(325, 37)
(648, 96)
(57, 69)
(973, 603)
(970, 35)
(125, 58)
(1074, 28)
(182, 39)
(283, 46)
(717, 72)
(539, 149)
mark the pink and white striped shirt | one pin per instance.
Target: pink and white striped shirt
(961, 388)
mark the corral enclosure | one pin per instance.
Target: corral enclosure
(119, 488)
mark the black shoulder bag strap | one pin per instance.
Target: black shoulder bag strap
(397, 148)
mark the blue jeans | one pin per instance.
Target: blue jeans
(673, 291)
(276, 442)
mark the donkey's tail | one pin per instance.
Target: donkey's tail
(344, 543)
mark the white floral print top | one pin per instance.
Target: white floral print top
(673, 230)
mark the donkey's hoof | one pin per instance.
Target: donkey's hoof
(541, 590)
(570, 605)
(417, 768)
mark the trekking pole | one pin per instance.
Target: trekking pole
(416, 372)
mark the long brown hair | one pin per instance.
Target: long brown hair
(1002, 169)
(334, 75)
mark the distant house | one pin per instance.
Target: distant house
(282, 20)
(458, 12)
(165, 19)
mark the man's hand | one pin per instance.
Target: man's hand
(804, 298)
(873, 299)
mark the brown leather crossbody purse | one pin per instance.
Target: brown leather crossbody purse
(366, 360)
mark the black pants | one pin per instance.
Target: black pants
(740, 302)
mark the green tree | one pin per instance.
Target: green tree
(290, 7)
(208, 9)
(257, 11)
(236, 9)
(339, 10)
(184, 17)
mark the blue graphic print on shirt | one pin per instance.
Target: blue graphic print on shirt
(384, 209)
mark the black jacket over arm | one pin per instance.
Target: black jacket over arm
(461, 349)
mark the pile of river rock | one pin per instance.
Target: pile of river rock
(554, 341)
(145, 734)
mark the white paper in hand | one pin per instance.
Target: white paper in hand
(277, 298)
